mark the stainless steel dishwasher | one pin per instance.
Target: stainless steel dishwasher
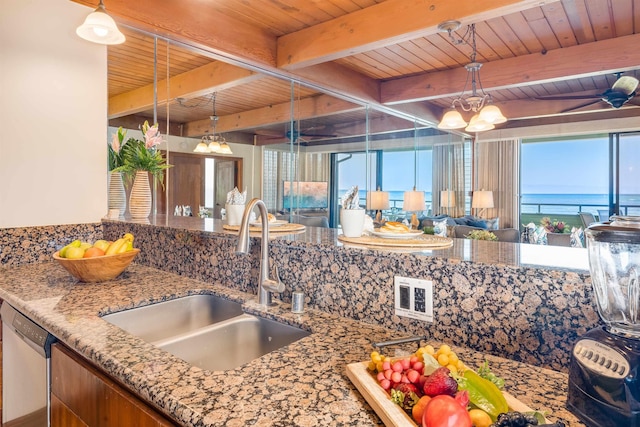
(26, 368)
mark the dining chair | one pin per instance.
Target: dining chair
(603, 215)
(587, 218)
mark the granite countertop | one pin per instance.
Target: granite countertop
(303, 384)
(476, 251)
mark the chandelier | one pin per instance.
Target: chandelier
(213, 143)
(486, 115)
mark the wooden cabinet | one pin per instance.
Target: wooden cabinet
(81, 395)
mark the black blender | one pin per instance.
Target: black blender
(604, 388)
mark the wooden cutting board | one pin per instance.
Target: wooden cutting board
(390, 413)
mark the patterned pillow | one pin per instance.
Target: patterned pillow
(493, 223)
(577, 237)
(440, 227)
(540, 235)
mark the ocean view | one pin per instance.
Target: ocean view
(552, 203)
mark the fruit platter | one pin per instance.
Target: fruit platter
(434, 388)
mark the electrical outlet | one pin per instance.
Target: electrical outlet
(413, 298)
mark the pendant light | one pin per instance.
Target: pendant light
(486, 115)
(100, 28)
(213, 143)
(413, 201)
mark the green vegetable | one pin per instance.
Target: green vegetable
(486, 373)
(483, 394)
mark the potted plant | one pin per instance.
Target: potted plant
(554, 226)
(482, 235)
(117, 197)
(141, 158)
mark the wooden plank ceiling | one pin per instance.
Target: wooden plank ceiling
(386, 53)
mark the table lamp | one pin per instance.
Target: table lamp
(482, 199)
(447, 199)
(378, 201)
(414, 202)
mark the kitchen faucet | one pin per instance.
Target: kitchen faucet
(265, 284)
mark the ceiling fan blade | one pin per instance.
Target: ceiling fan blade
(625, 84)
(563, 97)
(568, 110)
(317, 135)
(267, 132)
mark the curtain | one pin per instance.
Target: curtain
(497, 168)
(448, 174)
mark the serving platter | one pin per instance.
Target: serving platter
(287, 227)
(391, 235)
(422, 241)
(276, 223)
(390, 413)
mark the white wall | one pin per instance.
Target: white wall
(53, 109)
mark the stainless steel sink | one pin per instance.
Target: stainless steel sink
(232, 343)
(206, 331)
(170, 318)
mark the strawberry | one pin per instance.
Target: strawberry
(406, 395)
(440, 382)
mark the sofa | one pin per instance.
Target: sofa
(503, 234)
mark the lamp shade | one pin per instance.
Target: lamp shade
(477, 124)
(492, 114)
(482, 199)
(377, 200)
(214, 146)
(201, 148)
(413, 201)
(100, 28)
(447, 199)
(452, 119)
(224, 148)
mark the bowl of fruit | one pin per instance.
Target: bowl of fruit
(99, 261)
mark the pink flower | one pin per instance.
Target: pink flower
(115, 142)
(152, 137)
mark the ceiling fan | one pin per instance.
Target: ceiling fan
(295, 134)
(623, 90)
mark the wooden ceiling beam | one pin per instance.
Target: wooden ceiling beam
(384, 24)
(212, 77)
(590, 59)
(315, 106)
(198, 24)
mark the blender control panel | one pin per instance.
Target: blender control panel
(601, 358)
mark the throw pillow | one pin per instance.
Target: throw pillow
(440, 227)
(577, 238)
(493, 223)
(477, 223)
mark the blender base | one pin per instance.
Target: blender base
(604, 390)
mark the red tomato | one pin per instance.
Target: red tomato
(445, 411)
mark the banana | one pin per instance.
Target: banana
(128, 236)
(115, 247)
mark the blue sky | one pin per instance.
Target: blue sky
(571, 167)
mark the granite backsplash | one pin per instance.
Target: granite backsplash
(524, 313)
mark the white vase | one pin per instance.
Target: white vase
(117, 195)
(140, 197)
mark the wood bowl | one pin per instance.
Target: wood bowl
(97, 269)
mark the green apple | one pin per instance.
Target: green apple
(101, 244)
(75, 252)
(63, 251)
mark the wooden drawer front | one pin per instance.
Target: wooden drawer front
(95, 398)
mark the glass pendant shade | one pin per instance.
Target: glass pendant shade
(201, 148)
(214, 146)
(377, 200)
(452, 119)
(476, 124)
(414, 201)
(100, 28)
(225, 149)
(492, 114)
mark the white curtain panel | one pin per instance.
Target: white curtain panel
(448, 174)
(497, 168)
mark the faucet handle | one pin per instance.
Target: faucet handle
(274, 285)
